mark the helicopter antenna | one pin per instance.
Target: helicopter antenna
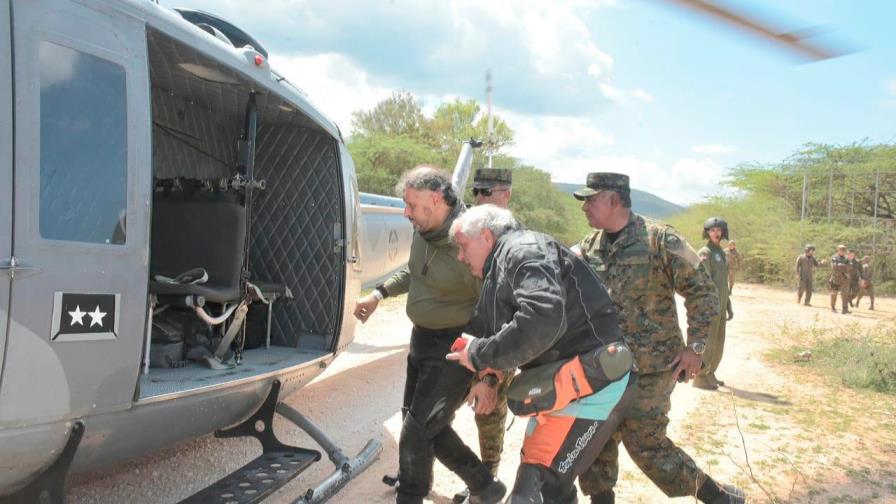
(490, 142)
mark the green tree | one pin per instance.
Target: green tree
(399, 115)
(460, 120)
(396, 135)
(381, 159)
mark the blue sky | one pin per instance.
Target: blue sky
(639, 86)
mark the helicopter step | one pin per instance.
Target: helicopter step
(280, 463)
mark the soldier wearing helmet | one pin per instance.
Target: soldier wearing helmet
(805, 271)
(715, 229)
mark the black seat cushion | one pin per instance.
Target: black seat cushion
(203, 231)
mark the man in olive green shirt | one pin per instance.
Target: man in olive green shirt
(714, 261)
(441, 295)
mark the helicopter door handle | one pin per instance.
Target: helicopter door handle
(13, 265)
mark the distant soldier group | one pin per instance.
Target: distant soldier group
(850, 278)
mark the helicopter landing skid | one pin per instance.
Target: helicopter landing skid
(49, 486)
(275, 467)
(346, 469)
(280, 463)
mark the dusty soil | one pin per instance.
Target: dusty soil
(807, 440)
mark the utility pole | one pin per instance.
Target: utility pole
(490, 142)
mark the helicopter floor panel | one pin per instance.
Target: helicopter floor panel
(256, 362)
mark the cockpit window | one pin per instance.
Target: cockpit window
(83, 147)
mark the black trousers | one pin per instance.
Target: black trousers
(434, 389)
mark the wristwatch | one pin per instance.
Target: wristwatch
(698, 347)
(491, 380)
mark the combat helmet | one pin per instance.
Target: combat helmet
(809, 247)
(715, 222)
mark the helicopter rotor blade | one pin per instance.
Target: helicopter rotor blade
(797, 42)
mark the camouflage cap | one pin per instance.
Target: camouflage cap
(841, 247)
(600, 181)
(485, 178)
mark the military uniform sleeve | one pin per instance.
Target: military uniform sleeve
(539, 321)
(693, 283)
(703, 254)
(798, 260)
(400, 282)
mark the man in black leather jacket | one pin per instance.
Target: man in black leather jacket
(539, 304)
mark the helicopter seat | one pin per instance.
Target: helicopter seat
(204, 231)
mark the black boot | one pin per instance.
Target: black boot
(491, 494)
(713, 493)
(607, 497)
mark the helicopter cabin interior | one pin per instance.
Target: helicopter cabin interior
(247, 214)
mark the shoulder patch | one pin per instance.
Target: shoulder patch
(678, 247)
(673, 242)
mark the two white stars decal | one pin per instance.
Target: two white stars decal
(96, 316)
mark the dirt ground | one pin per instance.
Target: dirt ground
(804, 440)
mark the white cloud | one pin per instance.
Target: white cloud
(890, 86)
(544, 57)
(333, 83)
(618, 95)
(539, 139)
(713, 149)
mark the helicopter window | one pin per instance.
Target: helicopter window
(83, 146)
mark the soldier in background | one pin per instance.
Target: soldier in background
(866, 286)
(839, 281)
(735, 260)
(854, 271)
(715, 230)
(490, 186)
(493, 186)
(805, 271)
(643, 263)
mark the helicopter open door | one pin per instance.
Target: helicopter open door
(5, 177)
(80, 220)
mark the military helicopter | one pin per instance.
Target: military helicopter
(162, 188)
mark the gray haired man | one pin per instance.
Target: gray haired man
(541, 305)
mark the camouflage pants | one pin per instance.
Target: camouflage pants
(865, 291)
(805, 287)
(492, 427)
(844, 295)
(643, 433)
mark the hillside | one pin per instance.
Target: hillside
(643, 202)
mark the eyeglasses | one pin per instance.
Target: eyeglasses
(486, 191)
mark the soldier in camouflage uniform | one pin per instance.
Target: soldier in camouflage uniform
(854, 272)
(839, 281)
(491, 186)
(643, 263)
(713, 258)
(866, 286)
(805, 271)
(735, 259)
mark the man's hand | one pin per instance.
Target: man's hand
(688, 365)
(365, 307)
(730, 311)
(462, 357)
(482, 398)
